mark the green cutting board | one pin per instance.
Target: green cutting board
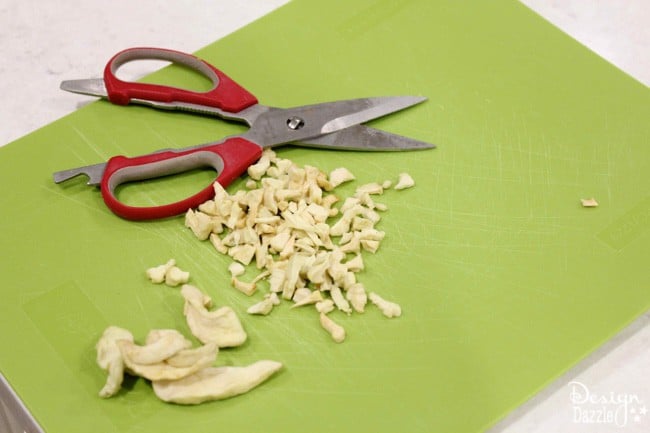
(504, 279)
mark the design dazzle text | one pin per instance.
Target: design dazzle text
(617, 409)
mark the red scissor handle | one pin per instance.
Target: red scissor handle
(230, 158)
(225, 94)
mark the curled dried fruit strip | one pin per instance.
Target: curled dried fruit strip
(109, 358)
(215, 383)
(163, 370)
(160, 345)
(189, 357)
(221, 326)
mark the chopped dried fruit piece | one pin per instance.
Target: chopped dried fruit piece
(405, 181)
(589, 202)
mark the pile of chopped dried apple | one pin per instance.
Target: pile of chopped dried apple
(179, 373)
(307, 249)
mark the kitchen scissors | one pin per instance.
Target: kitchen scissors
(335, 124)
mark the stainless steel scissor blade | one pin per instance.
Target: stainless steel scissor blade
(365, 138)
(277, 126)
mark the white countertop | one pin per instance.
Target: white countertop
(46, 42)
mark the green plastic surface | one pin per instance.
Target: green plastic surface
(504, 279)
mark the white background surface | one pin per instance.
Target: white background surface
(43, 43)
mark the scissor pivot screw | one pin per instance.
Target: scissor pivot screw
(295, 123)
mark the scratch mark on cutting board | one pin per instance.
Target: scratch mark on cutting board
(89, 143)
(165, 140)
(343, 393)
(608, 156)
(68, 197)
